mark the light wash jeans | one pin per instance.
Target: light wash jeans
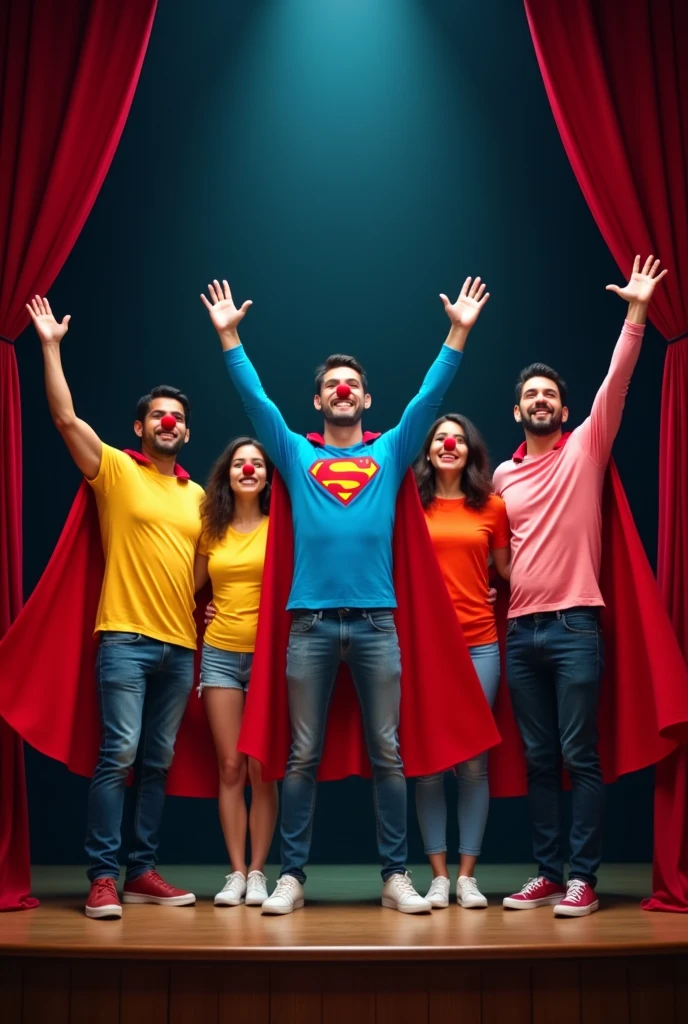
(473, 786)
(318, 643)
(143, 688)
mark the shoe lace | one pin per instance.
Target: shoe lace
(404, 884)
(531, 885)
(438, 885)
(469, 885)
(257, 876)
(159, 880)
(285, 885)
(103, 885)
(232, 879)
(575, 890)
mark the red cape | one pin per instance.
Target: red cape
(47, 692)
(643, 713)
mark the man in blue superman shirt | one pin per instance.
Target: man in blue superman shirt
(343, 497)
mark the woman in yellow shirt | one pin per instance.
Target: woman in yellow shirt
(231, 553)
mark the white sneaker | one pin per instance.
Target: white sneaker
(232, 893)
(468, 894)
(287, 896)
(398, 894)
(438, 893)
(256, 889)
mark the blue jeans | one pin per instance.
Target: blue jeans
(473, 787)
(143, 688)
(554, 666)
(318, 643)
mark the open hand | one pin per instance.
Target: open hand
(466, 310)
(47, 327)
(223, 313)
(641, 284)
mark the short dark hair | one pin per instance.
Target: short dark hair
(541, 370)
(339, 360)
(162, 391)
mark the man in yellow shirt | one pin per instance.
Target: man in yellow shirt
(149, 514)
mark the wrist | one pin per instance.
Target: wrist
(457, 336)
(229, 338)
(637, 312)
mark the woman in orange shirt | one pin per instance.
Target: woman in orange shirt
(468, 526)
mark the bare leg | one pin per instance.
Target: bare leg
(438, 863)
(225, 708)
(263, 815)
(467, 865)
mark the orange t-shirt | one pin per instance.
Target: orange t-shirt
(463, 538)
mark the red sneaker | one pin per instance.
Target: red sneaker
(103, 900)
(537, 892)
(580, 900)
(151, 888)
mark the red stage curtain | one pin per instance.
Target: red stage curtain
(69, 72)
(617, 80)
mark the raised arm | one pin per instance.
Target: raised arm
(601, 427)
(83, 443)
(406, 438)
(280, 442)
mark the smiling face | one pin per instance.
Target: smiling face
(340, 410)
(159, 440)
(452, 461)
(540, 410)
(245, 483)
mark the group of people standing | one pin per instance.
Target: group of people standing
(535, 523)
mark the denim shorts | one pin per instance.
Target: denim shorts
(230, 670)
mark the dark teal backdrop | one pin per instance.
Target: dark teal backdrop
(341, 162)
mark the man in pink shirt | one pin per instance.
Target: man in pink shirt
(553, 493)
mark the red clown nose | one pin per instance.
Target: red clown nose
(168, 422)
(248, 469)
(343, 391)
(449, 444)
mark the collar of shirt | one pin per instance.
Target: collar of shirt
(145, 461)
(521, 452)
(318, 439)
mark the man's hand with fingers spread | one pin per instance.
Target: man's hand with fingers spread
(224, 314)
(47, 327)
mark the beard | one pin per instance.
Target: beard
(165, 448)
(339, 419)
(541, 428)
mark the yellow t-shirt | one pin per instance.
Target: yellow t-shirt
(150, 525)
(235, 565)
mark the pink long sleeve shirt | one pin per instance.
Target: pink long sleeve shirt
(554, 501)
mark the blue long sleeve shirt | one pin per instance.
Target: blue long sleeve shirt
(343, 499)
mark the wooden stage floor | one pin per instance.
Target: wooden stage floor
(343, 957)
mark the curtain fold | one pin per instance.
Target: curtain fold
(68, 73)
(617, 82)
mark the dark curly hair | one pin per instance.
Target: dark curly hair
(217, 508)
(476, 482)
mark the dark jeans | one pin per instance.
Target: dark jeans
(143, 688)
(554, 667)
(318, 643)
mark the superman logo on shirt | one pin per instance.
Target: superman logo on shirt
(344, 478)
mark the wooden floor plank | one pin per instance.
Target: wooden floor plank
(401, 995)
(46, 992)
(11, 991)
(95, 992)
(144, 995)
(454, 993)
(195, 993)
(556, 992)
(652, 991)
(604, 992)
(244, 996)
(295, 994)
(348, 993)
(506, 993)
